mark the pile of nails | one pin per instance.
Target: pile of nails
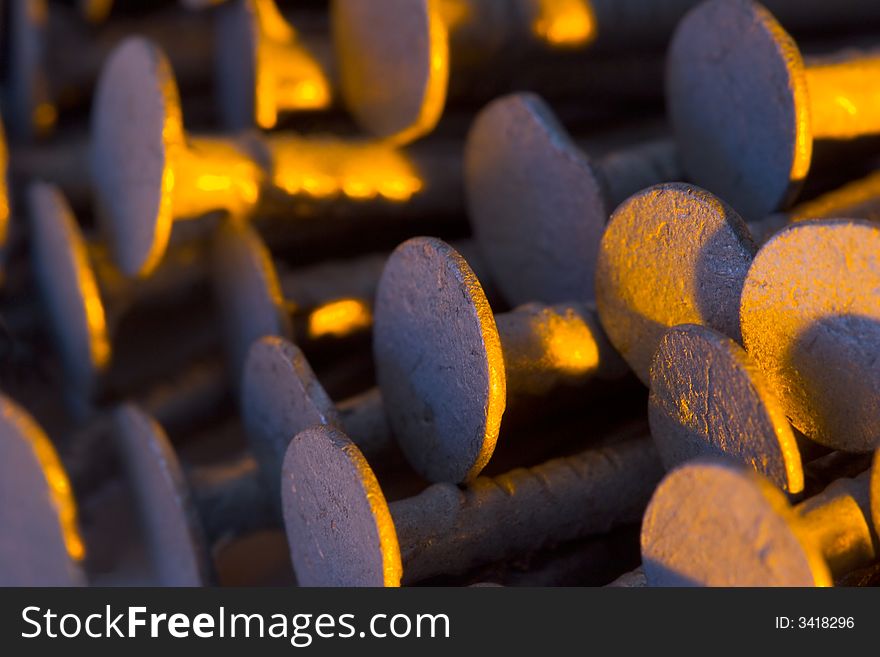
(440, 292)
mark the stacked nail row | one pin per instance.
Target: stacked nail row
(440, 292)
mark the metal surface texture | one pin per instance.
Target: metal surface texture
(281, 396)
(539, 204)
(440, 293)
(183, 513)
(447, 367)
(745, 106)
(344, 533)
(756, 538)
(40, 544)
(671, 254)
(810, 312)
(709, 398)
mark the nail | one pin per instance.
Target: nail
(183, 514)
(521, 165)
(399, 61)
(42, 545)
(671, 254)
(810, 317)
(312, 305)
(731, 65)
(44, 80)
(138, 154)
(709, 398)
(281, 396)
(716, 523)
(342, 532)
(85, 298)
(447, 367)
(264, 68)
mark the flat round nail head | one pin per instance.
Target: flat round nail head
(716, 523)
(671, 254)
(393, 64)
(338, 523)
(536, 203)
(68, 287)
(811, 320)
(280, 396)
(165, 509)
(737, 99)
(33, 549)
(438, 360)
(708, 398)
(136, 125)
(247, 290)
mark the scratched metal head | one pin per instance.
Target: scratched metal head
(718, 523)
(237, 30)
(737, 99)
(536, 202)
(29, 107)
(671, 254)
(438, 360)
(166, 512)
(40, 544)
(68, 287)
(338, 523)
(811, 320)
(137, 129)
(393, 60)
(247, 290)
(280, 396)
(709, 398)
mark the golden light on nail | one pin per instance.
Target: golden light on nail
(565, 23)
(569, 341)
(60, 492)
(324, 168)
(842, 106)
(288, 76)
(436, 86)
(339, 318)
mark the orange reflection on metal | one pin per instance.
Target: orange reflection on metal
(496, 400)
(331, 167)
(392, 562)
(804, 129)
(195, 165)
(565, 23)
(454, 13)
(569, 343)
(96, 319)
(60, 492)
(434, 98)
(339, 318)
(842, 105)
(288, 77)
(840, 202)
